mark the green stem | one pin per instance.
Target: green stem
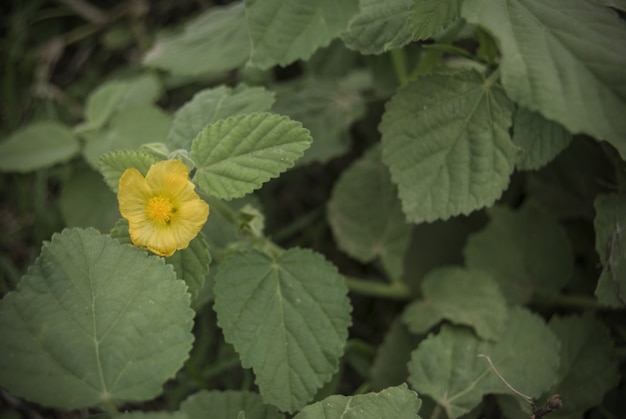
(379, 289)
(110, 408)
(224, 210)
(398, 57)
(436, 412)
(493, 77)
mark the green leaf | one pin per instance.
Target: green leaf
(235, 156)
(389, 366)
(393, 402)
(152, 415)
(283, 31)
(227, 404)
(115, 163)
(464, 297)
(325, 108)
(589, 364)
(445, 139)
(379, 27)
(93, 321)
(211, 105)
(128, 130)
(214, 42)
(565, 62)
(287, 317)
(540, 140)
(190, 264)
(365, 214)
(116, 95)
(446, 366)
(615, 4)
(438, 244)
(86, 201)
(37, 146)
(513, 249)
(101, 104)
(429, 17)
(610, 230)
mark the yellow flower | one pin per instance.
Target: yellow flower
(163, 211)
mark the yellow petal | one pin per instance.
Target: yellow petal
(133, 193)
(169, 180)
(169, 177)
(157, 239)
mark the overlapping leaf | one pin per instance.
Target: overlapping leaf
(431, 16)
(610, 227)
(93, 321)
(513, 249)
(115, 163)
(99, 210)
(227, 404)
(128, 130)
(287, 317)
(393, 402)
(389, 366)
(115, 95)
(589, 364)
(540, 140)
(445, 139)
(214, 42)
(191, 264)
(37, 146)
(565, 62)
(324, 108)
(235, 156)
(365, 214)
(283, 31)
(211, 105)
(379, 27)
(464, 297)
(446, 366)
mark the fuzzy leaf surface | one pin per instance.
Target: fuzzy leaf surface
(393, 402)
(446, 366)
(379, 27)
(191, 264)
(445, 139)
(428, 17)
(211, 105)
(115, 163)
(214, 42)
(365, 214)
(565, 62)
(464, 297)
(227, 405)
(513, 249)
(287, 317)
(93, 321)
(37, 146)
(235, 156)
(610, 227)
(283, 31)
(589, 363)
(540, 140)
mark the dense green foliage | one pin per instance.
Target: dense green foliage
(417, 209)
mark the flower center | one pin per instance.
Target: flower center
(160, 209)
